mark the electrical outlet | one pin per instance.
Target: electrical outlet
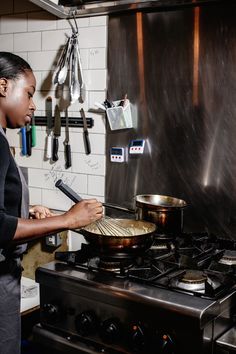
(53, 240)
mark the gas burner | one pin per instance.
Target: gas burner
(164, 237)
(161, 249)
(120, 266)
(228, 258)
(192, 280)
(162, 246)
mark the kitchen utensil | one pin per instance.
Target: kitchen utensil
(49, 128)
(81, 77)
(76, 198)
(111, 226)
(166, 212)
(106, 226)
(140, 239)
(61, 62)
(28, 139)
(121, 246)
(74, 76)
(57, 133)
(33, 131)
(87, 145)
(64, 69)
(67, 143)
(23, 141)
(99, 105)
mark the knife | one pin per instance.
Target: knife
(23, 141)
(49, 127)
(33, 131)
(57, 133)
(67, 143)
(28, 139)
(87, 145)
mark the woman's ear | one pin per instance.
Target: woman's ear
(3, 87)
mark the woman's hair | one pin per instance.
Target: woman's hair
(12, 66)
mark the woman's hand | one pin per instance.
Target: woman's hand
(84, 213)
(40, 212)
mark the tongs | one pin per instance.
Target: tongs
(70, 61)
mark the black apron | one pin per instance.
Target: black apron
(10, 275)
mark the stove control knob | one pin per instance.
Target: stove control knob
(50, 313)
(137, 337)
(167, 344)
(86, 323)
(111, 330)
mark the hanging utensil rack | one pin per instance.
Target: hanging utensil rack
(73, 121)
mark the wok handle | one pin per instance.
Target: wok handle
(68, 191)
(76, 198)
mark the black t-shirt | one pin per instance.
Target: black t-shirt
(10, 194)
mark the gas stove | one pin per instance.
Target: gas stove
(176, 298)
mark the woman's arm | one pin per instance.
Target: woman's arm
(79, 215)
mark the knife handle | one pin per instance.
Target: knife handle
(49, 147)
(67, 156)
(87, 145)
(55, 148)
(23, 141)
(33, 135)
(28, 140)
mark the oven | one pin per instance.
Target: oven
(178, 297)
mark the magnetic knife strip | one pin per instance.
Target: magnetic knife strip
(73, 121)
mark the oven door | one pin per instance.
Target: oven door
(226, 344)
(67, 344)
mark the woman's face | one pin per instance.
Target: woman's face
(16, 105)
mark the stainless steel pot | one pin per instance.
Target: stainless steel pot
(166, 212)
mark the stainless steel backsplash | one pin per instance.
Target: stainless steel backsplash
(179, 70)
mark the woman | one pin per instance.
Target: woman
(17, 87)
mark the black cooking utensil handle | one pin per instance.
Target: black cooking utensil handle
(76, 198)
(117, 207)
(23, 141)
(55, 148)
(28, 140)
(87, 145)
(68, 191)
(67, 156)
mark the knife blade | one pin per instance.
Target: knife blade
(49, 127)
(67, 143)
(57, 133)
(87, 145)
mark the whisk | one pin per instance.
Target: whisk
(107, 225)
(112, 227)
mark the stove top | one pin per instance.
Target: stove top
(197, 264)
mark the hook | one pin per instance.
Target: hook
(75, 29)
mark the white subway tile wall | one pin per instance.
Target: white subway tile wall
(39, 37)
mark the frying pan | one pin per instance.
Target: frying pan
(140, 240)
(120, 246)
